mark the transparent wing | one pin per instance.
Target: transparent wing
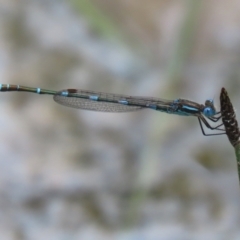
(80, 101)
(106, 102)
(93, 105)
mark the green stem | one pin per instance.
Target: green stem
(237, 152)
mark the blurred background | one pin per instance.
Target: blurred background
(72, 174)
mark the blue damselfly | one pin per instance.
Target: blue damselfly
(108, 102)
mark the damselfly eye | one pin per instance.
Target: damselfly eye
(209, 102)
(208, 111)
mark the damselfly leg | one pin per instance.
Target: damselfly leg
(203, 120)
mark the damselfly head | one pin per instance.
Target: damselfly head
(209, 109)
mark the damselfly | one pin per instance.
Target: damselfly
(229, 118)
(108, 102)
